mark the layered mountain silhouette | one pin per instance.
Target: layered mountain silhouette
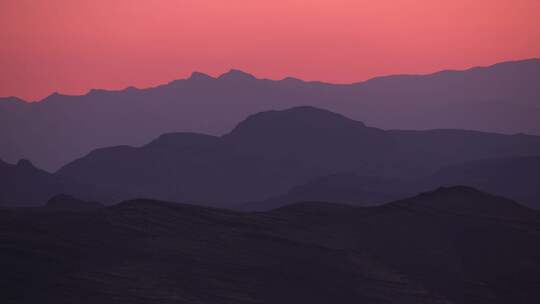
(451, 245)
(346, 188)
(501, 98)
(270, 153)
(23, 184)
(276, 191)
(515, 177)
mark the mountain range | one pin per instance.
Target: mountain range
(515, 177)
(501, 98)
(274, 158)
(451, 245)
(400, 189)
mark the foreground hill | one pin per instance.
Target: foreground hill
(452, 245)
(500, 98)
(271, 152)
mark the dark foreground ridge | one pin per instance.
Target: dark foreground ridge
(444, 246)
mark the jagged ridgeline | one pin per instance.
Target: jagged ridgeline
(501, 98)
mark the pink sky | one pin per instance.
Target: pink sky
(71, 46)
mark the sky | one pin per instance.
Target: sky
(70, 46)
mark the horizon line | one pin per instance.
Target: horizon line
(240, 71)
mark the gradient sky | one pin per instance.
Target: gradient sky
(71, 46)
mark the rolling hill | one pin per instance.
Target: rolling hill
(451, 245)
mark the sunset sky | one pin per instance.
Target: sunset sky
(71, 46)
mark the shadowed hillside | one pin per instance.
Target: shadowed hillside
(269, 153)
(515, 177)
(452, 245)
(310, 153)
(25, 185)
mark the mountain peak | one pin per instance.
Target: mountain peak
(131, 89)
(455, 190)
(200, 76)
(298, 120)
(234, 74)
(465, 200)
(305, 115)
(54, 97)
(292, 80)
(454, 193)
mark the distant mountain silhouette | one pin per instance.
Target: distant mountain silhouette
(312, 137)
(514, 177)
(271, 152)
(346, 188)
(60, 128)
(183, 167)
(452, 245)
(23, 184)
